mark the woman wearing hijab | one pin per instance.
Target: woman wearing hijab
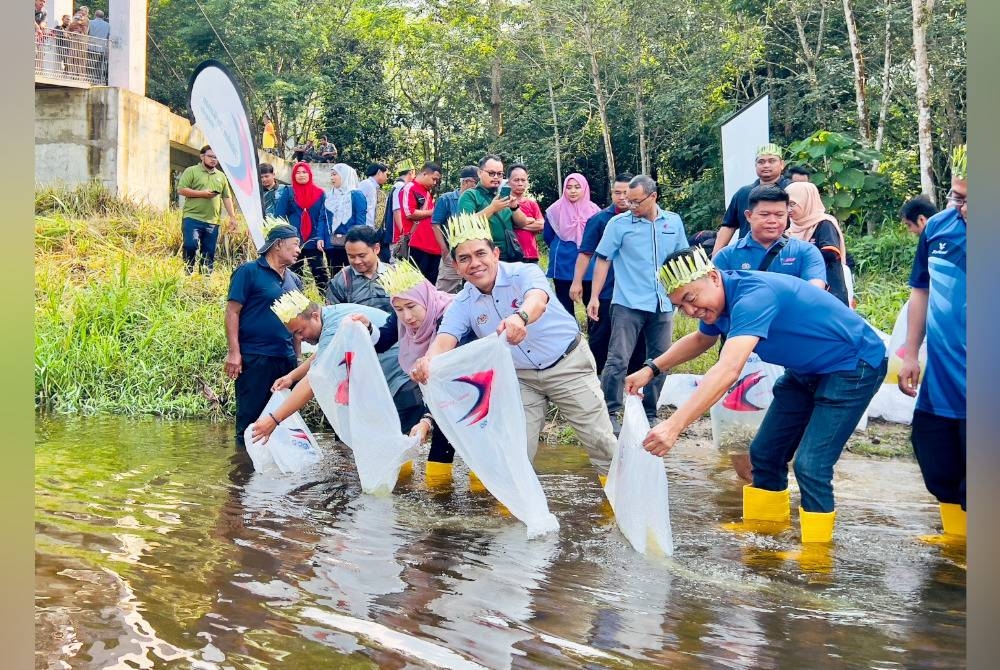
(417, 310)
(304, 207)
(347, 206)
(810, 222)
(565, 220)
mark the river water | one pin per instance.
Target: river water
(157, 547)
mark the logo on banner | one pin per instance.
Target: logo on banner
(483, 383)
(736, 399)
(344, 387)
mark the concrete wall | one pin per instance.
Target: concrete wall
(127, 142)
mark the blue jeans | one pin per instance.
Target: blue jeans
(811, 418)
(627, 325)
(207, 234)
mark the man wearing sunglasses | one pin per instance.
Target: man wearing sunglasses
(635, 244)
(502, 211)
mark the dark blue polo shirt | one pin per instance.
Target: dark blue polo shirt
(592, 234)
(800, 326)
(256, 285)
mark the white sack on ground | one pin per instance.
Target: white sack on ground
(637, 487)
(475, 398)
(738, 414)
(351, 390)
(291, 446)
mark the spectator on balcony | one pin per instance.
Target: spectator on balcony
(61, 32)
(40, 16)
(97, 47)
(327, 151)
(77, 37)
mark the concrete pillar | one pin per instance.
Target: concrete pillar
(127, 54)
(55, 9)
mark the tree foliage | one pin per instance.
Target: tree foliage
(583, 84)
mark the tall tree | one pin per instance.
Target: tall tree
(921, 17)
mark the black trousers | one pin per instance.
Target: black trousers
(410, 407)
(317, 267)
(336, 258)
(253, 387)
(939, 445)
(428, 263)
(562, 294)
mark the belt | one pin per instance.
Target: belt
(572, 346)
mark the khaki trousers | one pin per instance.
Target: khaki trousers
(573, 387)
(447, 279)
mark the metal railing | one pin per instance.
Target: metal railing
(72, 57)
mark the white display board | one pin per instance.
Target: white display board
(742, 135)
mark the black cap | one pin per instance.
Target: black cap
(282, 231)
(469, 172)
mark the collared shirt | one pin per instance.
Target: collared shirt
(477, 199)
(369, 188)
(445, 208)
(333, 315)
(481, 313)
(255, 285)
(637, 248)
(796, 257)
(414, 197)
(735, 216)
(800, 326)
(270, 197)
(206, 210)
(349, 285)
(939, 267)
(592, 234)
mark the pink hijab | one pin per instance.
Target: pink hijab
(569, 219)
(813, 212)
(414, 344)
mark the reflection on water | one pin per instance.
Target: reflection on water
(157, 547)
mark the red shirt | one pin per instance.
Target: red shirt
(422, 237)
(527, 238)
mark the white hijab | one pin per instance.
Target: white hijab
(338, 200)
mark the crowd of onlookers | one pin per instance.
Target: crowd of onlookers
(73, 46)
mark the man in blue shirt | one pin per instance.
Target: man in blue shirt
(769, 166)
(445, 208)
(636, 244)
(834, 362)
(766, 248)
(551, 356)
(260, 348)
(599, 331)
(938, 308)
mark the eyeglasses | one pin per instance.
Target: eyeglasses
(957, 199)
(494, 173)
(632, 204)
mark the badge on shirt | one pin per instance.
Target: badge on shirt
(482, 319)
(745, 266)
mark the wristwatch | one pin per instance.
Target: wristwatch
(524, 316)
(515, 207)
(652, 366)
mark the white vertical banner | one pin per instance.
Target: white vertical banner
(742, 134)
(217, 104)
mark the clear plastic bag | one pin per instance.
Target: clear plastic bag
(896, 347)
(637, 487)
(475, 397)
(738, 414)
(677, 388)
(291, 447)
(352, 392)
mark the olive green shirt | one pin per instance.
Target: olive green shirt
(198, 178)
(477, 199)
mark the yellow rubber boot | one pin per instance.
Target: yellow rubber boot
(437, 475)
(764, 511)
(475, 483)
(953, 523)
(606, 515)
(405, 470)
(816, 526)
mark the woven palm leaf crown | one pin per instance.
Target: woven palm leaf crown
(400, 278)
(465, 227)
(290, 305)
(959, 166)
(684, 270)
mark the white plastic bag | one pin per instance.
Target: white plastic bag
(290, 447)
(475, 398)
(351, 390)
(738, 414)
(897, 347)
(637, 487)
(677, 389)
